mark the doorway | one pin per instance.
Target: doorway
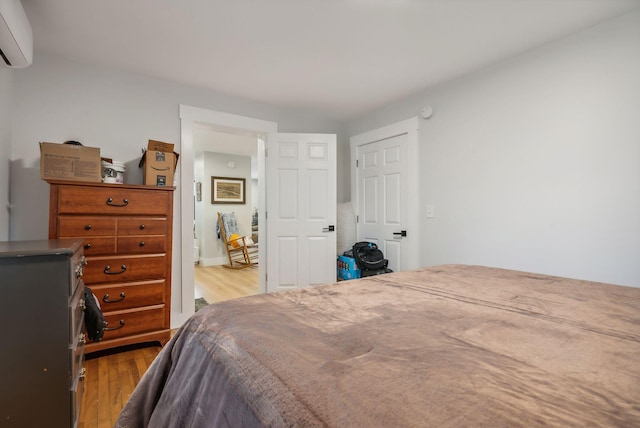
(190, 119)
(229, 155)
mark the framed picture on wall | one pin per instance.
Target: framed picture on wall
(227, 190)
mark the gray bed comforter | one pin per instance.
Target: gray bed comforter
(444, 346)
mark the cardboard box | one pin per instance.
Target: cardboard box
(159, 163)
(347, 268)
(70, 162)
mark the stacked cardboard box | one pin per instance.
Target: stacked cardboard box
(160, 163)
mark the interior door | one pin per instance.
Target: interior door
(301, 210)
(386, 197)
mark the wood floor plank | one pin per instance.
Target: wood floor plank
(141, 365)
(103, 390)
(115, 390)
(128, 379)
(89, 404)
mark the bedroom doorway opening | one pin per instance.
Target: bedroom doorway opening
(182, 302)
(230, 155)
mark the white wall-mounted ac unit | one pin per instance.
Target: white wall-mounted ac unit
(16, 37)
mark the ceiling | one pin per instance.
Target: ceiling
(336, 58)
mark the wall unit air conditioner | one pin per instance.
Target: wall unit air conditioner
(16, 37)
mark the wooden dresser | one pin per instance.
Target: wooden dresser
(41, 373)
(127, 234)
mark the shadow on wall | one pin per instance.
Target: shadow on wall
(134, 175)
(29, 200)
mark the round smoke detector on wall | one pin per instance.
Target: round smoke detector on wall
(427, 111)
(231, 164)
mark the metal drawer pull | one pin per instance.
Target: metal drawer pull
(83, 373)
(123, 204)
(87, 246)
(142, 243)
(82, 305)
(106, 298)
(141, 226)
(108, 268)
(115, 328)
(87, 227)
(79, 271)
(82, 339)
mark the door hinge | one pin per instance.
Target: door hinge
(357, 218)
(357, 163)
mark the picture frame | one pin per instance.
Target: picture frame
(227, 190)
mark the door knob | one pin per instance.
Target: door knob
(331, 228)
(401, 233)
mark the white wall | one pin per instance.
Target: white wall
(6, 101)
(534, 164)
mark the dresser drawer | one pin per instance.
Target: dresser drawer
(130, 295)
(80, 227)
(124, 268)
(112, 201)
(142, 245)
(134, 321)
(142, 226)
(99, 246)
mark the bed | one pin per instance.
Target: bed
(450, 345)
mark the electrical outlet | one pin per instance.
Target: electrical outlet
(430, 211)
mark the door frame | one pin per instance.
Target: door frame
(224, 122)
(410, 127)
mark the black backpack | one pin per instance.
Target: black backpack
(369, 257)
(93, 319)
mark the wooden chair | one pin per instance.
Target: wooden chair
(241, 250)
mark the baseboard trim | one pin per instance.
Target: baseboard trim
(212, 261)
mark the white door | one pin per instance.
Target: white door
(301, 210)
(386, 197)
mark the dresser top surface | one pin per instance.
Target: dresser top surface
(109, 185)
(38, 248)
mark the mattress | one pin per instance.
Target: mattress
(450, 345)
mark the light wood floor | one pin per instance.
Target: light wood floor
(218, 283)
(112, 376)
(109, 382)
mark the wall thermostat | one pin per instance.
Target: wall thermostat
(427, 111)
